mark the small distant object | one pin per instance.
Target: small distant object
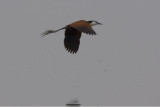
(73, 33)
(73, 102)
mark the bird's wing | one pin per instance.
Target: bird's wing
(83, 26)
(72, 39)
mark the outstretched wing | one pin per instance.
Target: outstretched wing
(72, 39)
(83, 26)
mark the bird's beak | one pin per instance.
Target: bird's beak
(99, 23)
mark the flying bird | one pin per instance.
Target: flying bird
(73, 33)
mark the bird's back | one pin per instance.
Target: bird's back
(83, 26)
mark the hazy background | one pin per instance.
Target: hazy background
(118, 66)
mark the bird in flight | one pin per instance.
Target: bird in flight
(73, 33)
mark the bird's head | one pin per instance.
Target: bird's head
(93, 23)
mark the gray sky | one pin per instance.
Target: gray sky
(119, 66)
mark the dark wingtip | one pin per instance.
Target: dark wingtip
(71, 51)
(90, 33)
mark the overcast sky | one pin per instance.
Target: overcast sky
(118, 66)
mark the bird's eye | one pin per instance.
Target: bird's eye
(89, 21)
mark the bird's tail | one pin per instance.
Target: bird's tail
(52, 31)
(47, 32)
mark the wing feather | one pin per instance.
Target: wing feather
(72, 39)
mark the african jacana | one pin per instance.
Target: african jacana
(73, 33)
